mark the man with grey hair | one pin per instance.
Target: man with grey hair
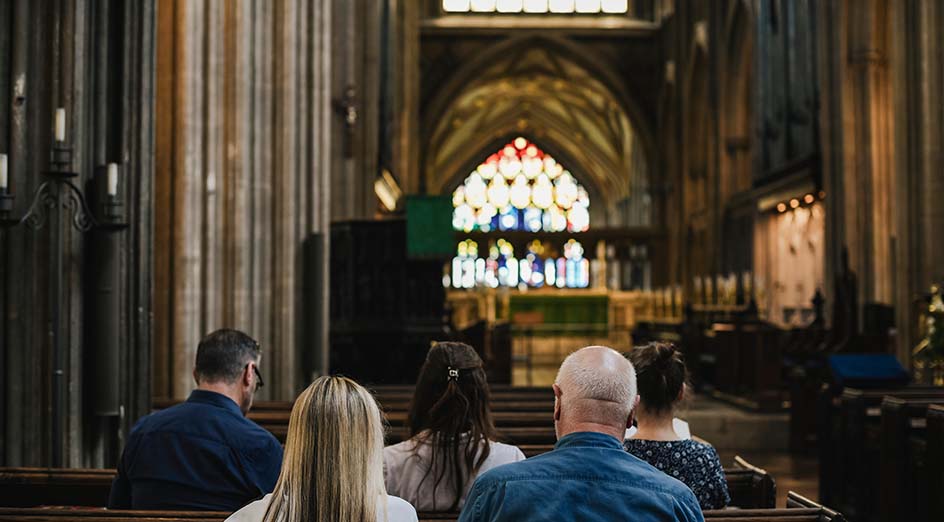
(588, 476)
(203, 454)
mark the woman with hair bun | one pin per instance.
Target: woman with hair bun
(453, 439)
(661, 377)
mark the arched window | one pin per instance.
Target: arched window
(520, 188)
(537, 6)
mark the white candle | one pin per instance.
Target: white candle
(112, 179)
(60, 124)
(4, 177)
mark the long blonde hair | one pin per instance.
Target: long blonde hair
(333, 465)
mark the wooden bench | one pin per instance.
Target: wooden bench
(65, 514)
(799, 509)
(903, 471)
(851, 449)
(749, 486)
(935, 461)
(23, 487)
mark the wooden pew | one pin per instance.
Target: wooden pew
(850, 448)
(903, 471)
(799, 509)
(793, 514)
(935, 461)
(797, 501)
(97, 514)
(750, 487)
(23, 487)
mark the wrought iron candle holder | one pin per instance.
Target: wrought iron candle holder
(57, 197)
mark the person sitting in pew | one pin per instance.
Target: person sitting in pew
(452, 435)
(203, 454)
(661, 374)
(333, 467)
(588, 475)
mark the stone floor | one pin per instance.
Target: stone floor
(790, 472)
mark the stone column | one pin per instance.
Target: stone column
(918, 86)
(856, 118)
(244, 163)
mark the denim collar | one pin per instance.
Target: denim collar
(215, 399)
(588, 439)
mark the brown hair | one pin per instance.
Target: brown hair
(450, 411)
(661, 374)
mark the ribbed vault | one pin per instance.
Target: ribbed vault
(537, 91)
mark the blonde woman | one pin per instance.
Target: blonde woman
(333, 465)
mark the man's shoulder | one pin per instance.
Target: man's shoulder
(574, 464)
(207, 422)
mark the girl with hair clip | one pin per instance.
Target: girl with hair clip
(333, 465)
(661, 376)
(452, 437)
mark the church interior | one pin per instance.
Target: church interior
(758, 182)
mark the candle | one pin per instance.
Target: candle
(4, 176)
(60, 124)
(112, 179)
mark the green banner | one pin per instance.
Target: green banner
(429, 233)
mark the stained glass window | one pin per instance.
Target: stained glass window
(537, 6)
(539, 266)
(521, 187)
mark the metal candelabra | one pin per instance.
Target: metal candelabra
(55, 198)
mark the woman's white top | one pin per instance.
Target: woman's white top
(406, 464)
(398, 510)
(681, 429)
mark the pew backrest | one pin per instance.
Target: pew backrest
(750, 486)
(24, 487)
(96, 514)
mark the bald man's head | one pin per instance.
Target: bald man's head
(595, 385)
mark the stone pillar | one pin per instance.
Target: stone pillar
(918, 86)
(856, 119)
(244, 154)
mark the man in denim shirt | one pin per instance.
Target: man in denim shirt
(588, 476)
(203, 454)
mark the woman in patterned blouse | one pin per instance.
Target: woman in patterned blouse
(661, 376)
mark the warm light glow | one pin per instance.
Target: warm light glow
(535, 6)
(588, 6)
(561, 6)
(794, 203)
(615, 6)
(808, 199)
(509, 6)
(781, 207)
(456, 6)
(483, 6)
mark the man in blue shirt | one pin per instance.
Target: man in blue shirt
(203, 454)
(588, 475)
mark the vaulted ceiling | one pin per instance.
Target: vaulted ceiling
(542, 92)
